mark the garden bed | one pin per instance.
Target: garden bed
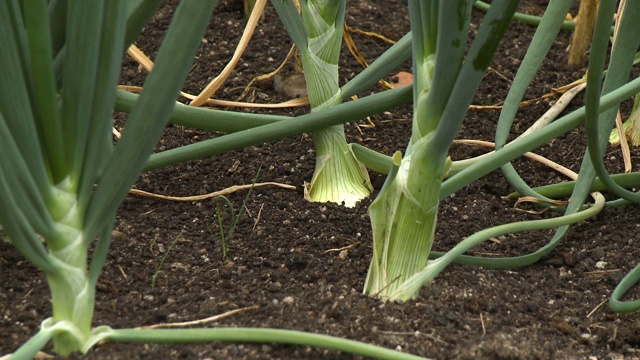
(292, 264)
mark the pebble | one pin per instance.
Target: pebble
(291, 86)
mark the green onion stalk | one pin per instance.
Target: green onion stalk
(404, 214)
(61, 177)
(631, 127)
(317, 32)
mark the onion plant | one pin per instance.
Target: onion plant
(602, 101)
(317, 32)
(61, 178)
(404, 214)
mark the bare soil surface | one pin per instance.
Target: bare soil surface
(302, 265)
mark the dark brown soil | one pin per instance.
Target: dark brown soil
(283, 260)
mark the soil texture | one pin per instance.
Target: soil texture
(301, 265)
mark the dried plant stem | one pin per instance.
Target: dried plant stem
(215, 84)
(202, 321)
(582, 35)
(226, 191)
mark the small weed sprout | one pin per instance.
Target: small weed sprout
(166, 254)
(235, 216)
(223, 237)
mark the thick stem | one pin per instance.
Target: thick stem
(403, 218)
(72, 298)
(339, 177)
(72, 294)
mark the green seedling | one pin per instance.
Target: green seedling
(166, 254)
(224, 236)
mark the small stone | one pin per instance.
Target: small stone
(568, 259)
(563, 272)
(615, 356)
(291, 86)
